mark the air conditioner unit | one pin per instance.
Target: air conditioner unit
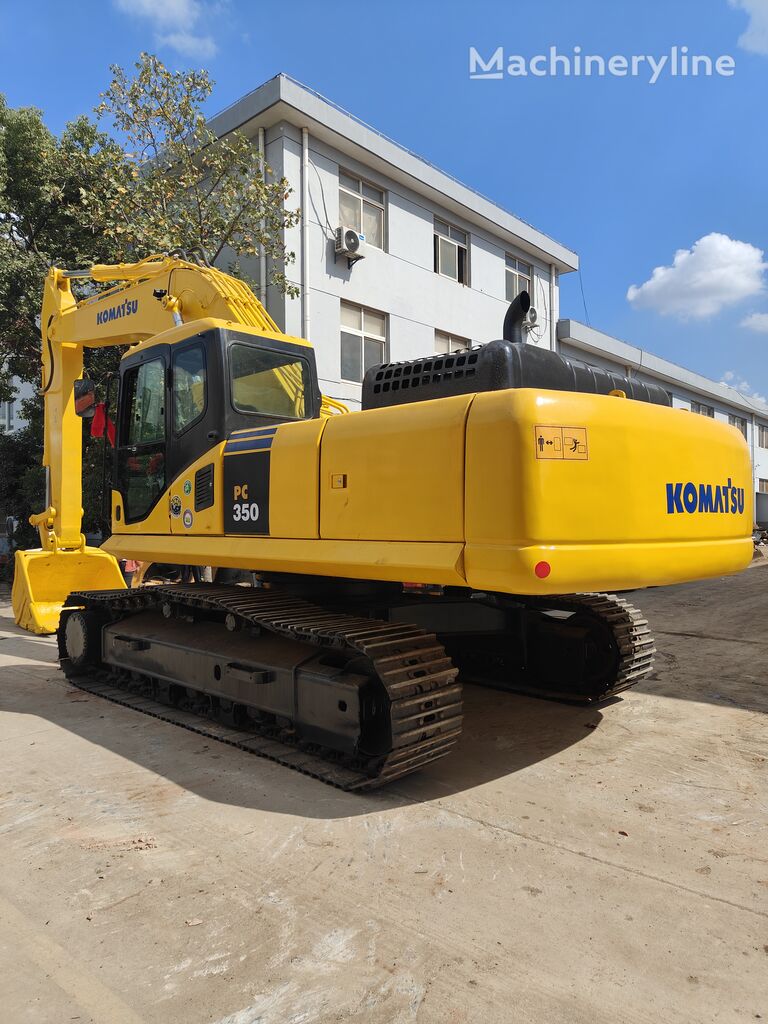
(350, 243)
(531, 318)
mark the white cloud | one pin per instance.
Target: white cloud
(755, 38)
(756, 322)
(717, 271)
(737, 382)
(175, 22)
(190, 45)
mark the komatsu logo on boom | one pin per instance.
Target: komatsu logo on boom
(692, 497)
(126, 308)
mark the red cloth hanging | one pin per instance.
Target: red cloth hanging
(100, 421)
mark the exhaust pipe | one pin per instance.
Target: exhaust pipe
(497, 366)
(513, 321)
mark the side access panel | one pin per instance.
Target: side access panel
(271, 481)
(395, 474)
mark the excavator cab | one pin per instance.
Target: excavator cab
(177, 401)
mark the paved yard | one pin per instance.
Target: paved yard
(565, 866)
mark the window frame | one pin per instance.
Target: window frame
(451, 338)
(460, 246)
(360, 195)
(125, 447)
(762, 435)
(362, 334)
(740, 422)
(291, 356)
(174, 355)
(702, 409)
(760, 482)
(517, 273)
(134, 371)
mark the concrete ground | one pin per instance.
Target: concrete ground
(564, 866)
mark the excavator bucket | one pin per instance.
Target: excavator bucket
(44, 579)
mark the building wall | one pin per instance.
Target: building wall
(683, 397)
(399, 281)
(11, 418)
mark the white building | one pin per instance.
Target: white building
(441, 261)
(393, 302)
(11, 419)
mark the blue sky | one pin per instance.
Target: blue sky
(626, 173)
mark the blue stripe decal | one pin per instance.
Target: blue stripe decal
(239, 435)
(263, 444)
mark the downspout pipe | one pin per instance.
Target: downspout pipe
(516, 314)
(753, 442)
(552, 320)
(305, 233)
(263, 260)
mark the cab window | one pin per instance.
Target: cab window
(189, 387)
(146, 403)
(267, 382)
(141, 459)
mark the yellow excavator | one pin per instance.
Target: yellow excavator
(465, 524)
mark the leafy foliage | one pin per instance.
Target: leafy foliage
(41, 222)
(21, 482)
(177, 185)
(147, 176)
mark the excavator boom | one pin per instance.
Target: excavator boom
(148, 298)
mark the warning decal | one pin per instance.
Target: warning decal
(568, 443)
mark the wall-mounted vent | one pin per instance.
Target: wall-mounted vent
(204, 488)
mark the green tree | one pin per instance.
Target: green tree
(22, 482)
(147, 176)
(150, 177)
(176, 185)
(41, 222)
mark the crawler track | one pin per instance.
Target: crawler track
(419, 679)
(620, 652)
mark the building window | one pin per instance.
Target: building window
(671, 398)
(519, 277)
(363, 341)
(451, 259)
(762, 436)
(361, 206)
(703, 410)
(762, 486)
(739, 422)
(445, 344)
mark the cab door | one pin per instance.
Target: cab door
(142, 432)
(195, 426)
